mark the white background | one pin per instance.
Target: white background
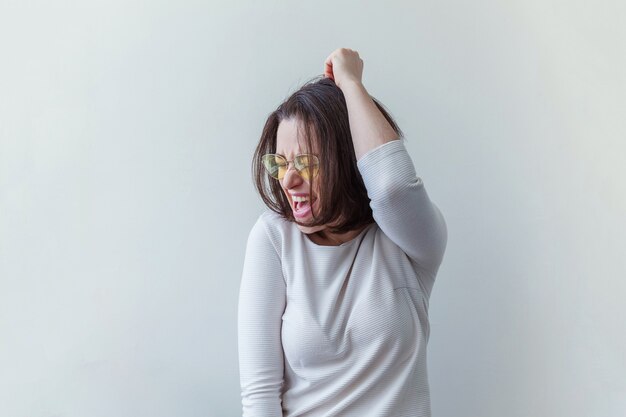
(126, 134)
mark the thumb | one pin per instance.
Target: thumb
(328, 68)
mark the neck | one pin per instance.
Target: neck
(333, 239)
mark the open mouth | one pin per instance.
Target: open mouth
(302, 205)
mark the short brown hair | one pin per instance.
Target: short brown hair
(321, 108)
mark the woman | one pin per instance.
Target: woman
(333, 303)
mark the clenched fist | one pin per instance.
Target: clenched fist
(344, 65)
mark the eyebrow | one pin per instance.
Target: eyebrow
(303, 153)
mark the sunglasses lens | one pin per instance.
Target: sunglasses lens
(307, 166)
(275, 165)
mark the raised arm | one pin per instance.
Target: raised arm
(399, 201)
(368, 126)
(401, 206)
(261, 306)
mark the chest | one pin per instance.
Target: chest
(340, 309)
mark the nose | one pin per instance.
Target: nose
(292, 176)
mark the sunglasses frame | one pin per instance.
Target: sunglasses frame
(279, 156)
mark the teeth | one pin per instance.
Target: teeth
(300, 199)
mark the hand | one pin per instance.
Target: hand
(343, 66)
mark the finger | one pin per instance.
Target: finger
(328, 67)
(328, 71)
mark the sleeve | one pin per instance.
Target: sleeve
(262, 302)
(401, 206)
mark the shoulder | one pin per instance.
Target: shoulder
(270, 227)
(273, 222)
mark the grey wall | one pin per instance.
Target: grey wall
(126, 131)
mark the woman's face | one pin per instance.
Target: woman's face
(295, 187)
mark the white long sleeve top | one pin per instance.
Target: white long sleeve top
(342, 330)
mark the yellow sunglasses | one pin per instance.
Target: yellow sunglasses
(277, 165)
